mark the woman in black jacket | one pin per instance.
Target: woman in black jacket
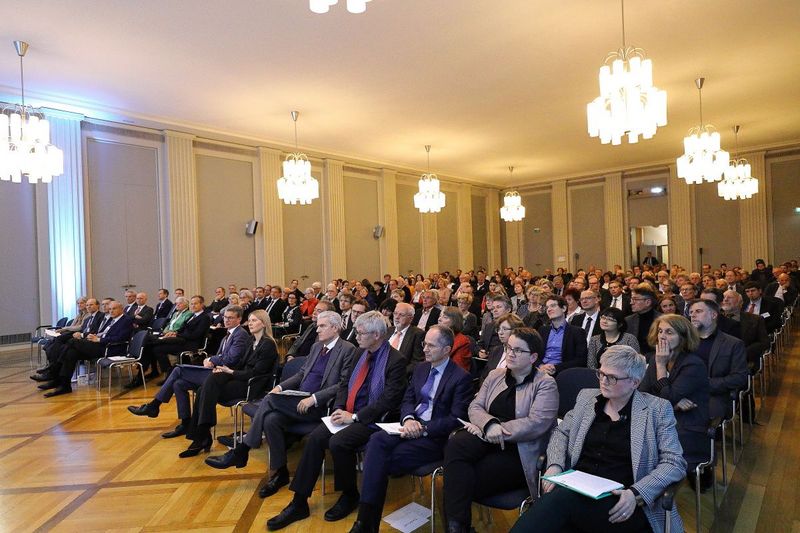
(225, 383)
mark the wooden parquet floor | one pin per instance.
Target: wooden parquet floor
(81, 462)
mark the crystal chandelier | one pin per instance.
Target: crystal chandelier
(512, 210)
(429, 199)
(323, 6)
(25, 148)
(703, 159)
(628, 104)
(738, 183)
(297, 186)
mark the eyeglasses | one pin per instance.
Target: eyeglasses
(230, 317)
(504, 328)
(518, 351)
(608, 319)
(638, 298)
(612, 380)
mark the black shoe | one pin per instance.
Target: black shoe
(42, 376)
(134, 383)
(291, 514)
(49, 385)
(195, 448)
(45, 369)
(148, 409)
(342, 508)
(58, 391)
(179, 430)
(231, 458)
(226, 440)
(279, 479)
(456, 527)
(362, 527)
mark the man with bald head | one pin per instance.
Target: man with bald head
(782, 289)
(589, 320)
(753, 328)
(405, 338)
(55, 350)
(142, 313)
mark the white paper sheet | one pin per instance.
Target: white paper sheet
(409, 518)
(586, 484)
(290, 392)
(51, 333)
(333, 428)
(392, 428)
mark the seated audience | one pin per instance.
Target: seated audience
(767, 307)
(619, 420)
(752, 327)
(782, 289)
(499, 354)
(496, 306)
(667, 305)
(464, 302)
(589, 320)
(164, 305)
(461, 352)
(613, 326)
(643, 307)
(291, 318)
(427, 314)
(301, 347)
(564, 344)
(510, 421)
(572, 297)
(405, 338)
(309, 303)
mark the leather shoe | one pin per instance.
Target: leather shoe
(179, 431)
(195, 448)
(49, 385)
(42, 376)
(231, 458)
(362, 527)
(148, 409)
(291, 514)
(274, 484)
(58, 391)
(226, 440)
(343, 507)
(44, 369)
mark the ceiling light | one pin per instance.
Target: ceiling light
(25, 148)
(703, 159)
(656, 190)
(429, 199)
(738, 182)
(628, 104)
(323, 6)
(512, 210)
(297, 186)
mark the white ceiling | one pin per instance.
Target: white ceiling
(489, 83)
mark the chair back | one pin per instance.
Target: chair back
(289, 369)
(570, 383)
(62, 322)
(159, 323)
(136, 347)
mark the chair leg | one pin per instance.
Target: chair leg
(724, 454)
(697, 507)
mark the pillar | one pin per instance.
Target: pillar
(680, 234)
(753, 216)
(333, 225)
(270, 171)
(614, 220)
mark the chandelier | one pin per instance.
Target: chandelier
(628, 104)
(429, 199)
(738, 182)
(323, 6)
(703, 159)
(25, 148)
(297, 186)
(512, 210)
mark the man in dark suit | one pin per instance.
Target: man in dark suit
(724, 355)
(405, 338)
(752, 327)
(189, 377)
(724, 323)
(276, 305)
(438, 395)
(489, 339)
(108, 341)
(589, 320)
(565, 344)
(761, 275)
(260, 301)
(130, 302)
(358, 308)
(427, 315)
(767, 307)
(55, 350)
(142, 313)
(733, 282)
(301, 347)
(325, 370)
(604, 297)
(220, 301)
(372, 393)
(643, 305)
(782, 289)
(481, 287)
(164, 305)
(346, 302)
(618, 298)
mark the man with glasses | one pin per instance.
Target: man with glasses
(405, 338)
(565, 344)
(438, 395)
(589, 320)
(643, 305)
(190, 377)
(373, 393)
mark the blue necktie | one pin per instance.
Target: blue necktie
(426, 393)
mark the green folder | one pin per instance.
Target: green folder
(583, 488)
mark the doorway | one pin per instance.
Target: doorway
(649, 239)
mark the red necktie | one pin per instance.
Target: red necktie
(752, 308)
(359, 382)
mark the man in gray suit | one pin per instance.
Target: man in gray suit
(327, 368)
(724, 355)
(405, 338)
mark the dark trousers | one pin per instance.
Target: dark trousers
(216, 388)
(183, 379)
(343, 446)
(563, 510)
(159, 350)
(275, 418)
(389, 455)
(474, 469)
(79, 350)
(54, 348)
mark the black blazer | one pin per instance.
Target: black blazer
(193, 332)
(276, 312)
(163, 308)
(727, 368)
(388, 403)
(93, 323)
(449, 403)
(411, 347)
(301, 347)
(260, 304)
(788, 297)
(573, 348)
(771, 306)
(754, 336)
(626, 303)
(291, 317)
(488, 338)
(259, 361)
(145, 317)
(218, 305)
(577, 320)
(432, 319)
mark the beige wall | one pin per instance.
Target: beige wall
(717, 223)
(538, 245)
(588, 234)
(785, 189)
(480, 246)
(224, 205)
(447, 235)
(302, 242)
(409, 231)
(360, 218)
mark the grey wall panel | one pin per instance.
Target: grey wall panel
(587, 226)
(480, 245)
(447, 235)
(409, 230)
(302, 242)
(717, 223)
(538, 245)
(361, 216)
(785, 198)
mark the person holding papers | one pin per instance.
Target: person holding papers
(325, 370)
(510, 421)
(435, 400)
(372, 393)
(620, 434)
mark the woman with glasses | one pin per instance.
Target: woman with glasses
(510, 421)
(504, 325)
(613, 325)
(678, 375)
(617, 433)
(461, 353)
(464, 301)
